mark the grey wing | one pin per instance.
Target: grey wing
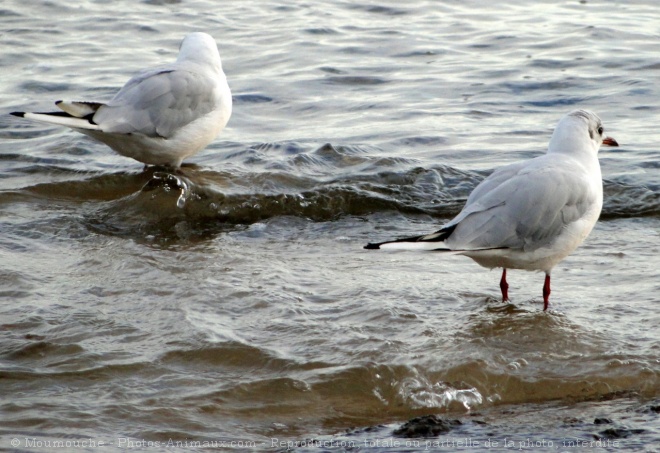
(524, 210)
(495, 179)
(157, 103)
(478, 200)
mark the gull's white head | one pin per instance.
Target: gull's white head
(578, 132)
(199, 48)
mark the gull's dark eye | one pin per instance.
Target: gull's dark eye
(600, 130)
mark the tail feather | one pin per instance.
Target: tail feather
(433, 241)
(74, 114)
(376, 245)
(60, 119)
(79, 109)
(411, 243)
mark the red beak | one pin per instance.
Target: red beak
(609, 141)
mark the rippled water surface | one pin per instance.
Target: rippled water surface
(232, 302)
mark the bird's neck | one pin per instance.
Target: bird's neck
(574, 142)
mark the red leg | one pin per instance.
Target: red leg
(504, 286)
(546, 292)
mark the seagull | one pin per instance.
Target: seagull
(529, 215)
(162, 115)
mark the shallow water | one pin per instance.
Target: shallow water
(232, 302)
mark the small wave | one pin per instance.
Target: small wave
(251, 98)
(425, 394)
(384, 10)
(623, 200)
(269, 180)
(355, 80)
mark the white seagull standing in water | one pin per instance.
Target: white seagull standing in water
(162, 115)
(532, 214)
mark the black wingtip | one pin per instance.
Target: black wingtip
(371, 246)
(19, 114)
